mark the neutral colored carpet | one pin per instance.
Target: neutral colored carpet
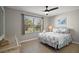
(35, 46)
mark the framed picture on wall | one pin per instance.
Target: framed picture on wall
(62, 22)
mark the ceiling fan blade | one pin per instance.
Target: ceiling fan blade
(53, 9)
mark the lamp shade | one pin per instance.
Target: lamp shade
(50, 27)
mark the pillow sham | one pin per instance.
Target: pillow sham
(64, 30)
(61, 30)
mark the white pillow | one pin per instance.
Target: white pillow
(56, 30)
(44, 31)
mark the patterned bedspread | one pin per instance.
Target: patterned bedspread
(56, 40)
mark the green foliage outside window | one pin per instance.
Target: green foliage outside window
(30, 26)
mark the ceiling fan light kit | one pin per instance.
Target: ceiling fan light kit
(46, 13)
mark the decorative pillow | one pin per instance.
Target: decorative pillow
(64, 30)
(56, 30)
(61, 30)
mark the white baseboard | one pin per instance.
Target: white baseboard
(75, 42)
(28, 40)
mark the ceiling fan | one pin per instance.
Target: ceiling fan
(48, 10)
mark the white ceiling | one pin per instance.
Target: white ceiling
(39, 9)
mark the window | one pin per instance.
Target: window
(37, 24)
(32, 24)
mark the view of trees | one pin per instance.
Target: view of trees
(32, 25)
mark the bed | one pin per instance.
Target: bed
(59, 38)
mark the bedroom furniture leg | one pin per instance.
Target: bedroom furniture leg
(57, 46)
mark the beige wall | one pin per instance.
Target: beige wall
(14, 24)
(72, 22)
